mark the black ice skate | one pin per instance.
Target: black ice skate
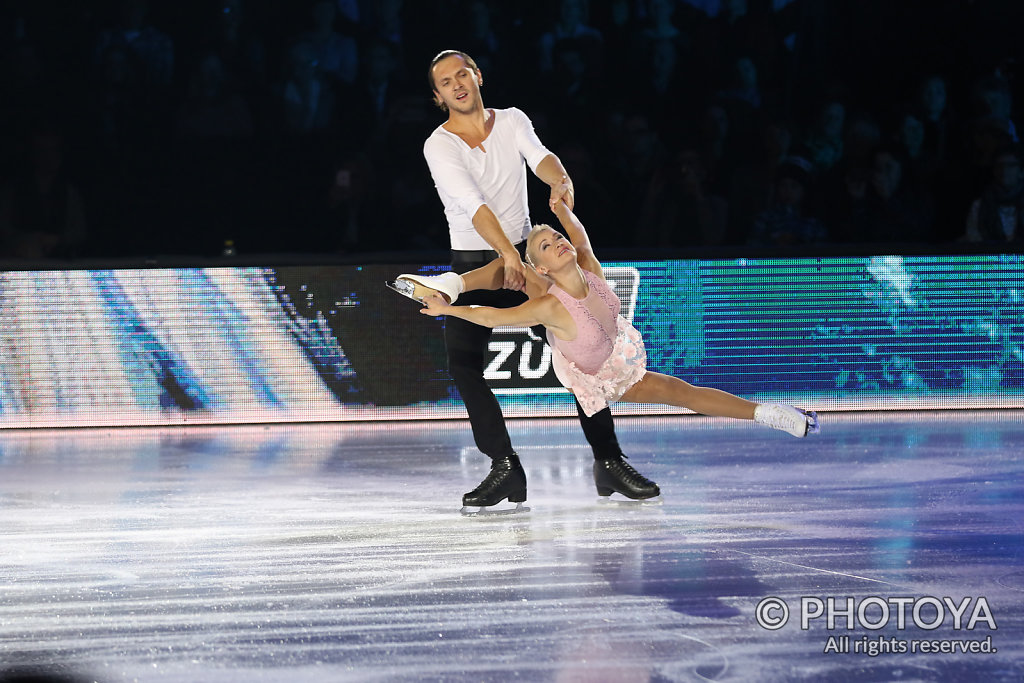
(506, 480)
(615, 475)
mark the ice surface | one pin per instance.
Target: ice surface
(338, 552)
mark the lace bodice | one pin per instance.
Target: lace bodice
(596, 324)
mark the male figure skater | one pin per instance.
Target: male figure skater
(478, 160)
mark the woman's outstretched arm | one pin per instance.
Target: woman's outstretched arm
(577, 234)
(546, 310)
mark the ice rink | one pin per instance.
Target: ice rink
(338, 553)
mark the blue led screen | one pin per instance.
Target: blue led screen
(306, 343)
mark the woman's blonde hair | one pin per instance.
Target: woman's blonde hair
(529, 241)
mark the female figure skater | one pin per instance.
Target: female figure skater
(596, 354)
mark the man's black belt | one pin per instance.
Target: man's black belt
(480, 255)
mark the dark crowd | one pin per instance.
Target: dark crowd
(141, 128)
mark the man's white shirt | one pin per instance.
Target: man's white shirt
(467, 178)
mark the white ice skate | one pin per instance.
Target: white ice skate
(797, 422)
(416, 287)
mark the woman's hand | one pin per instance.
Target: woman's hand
(434, 305)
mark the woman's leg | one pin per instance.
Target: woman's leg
(489, 277)
(450, 284)
(658, 388)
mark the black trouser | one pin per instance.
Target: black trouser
(466, 344)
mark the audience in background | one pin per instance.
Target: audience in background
(825, 137)
(296, 127)
(933, 105)
(41, 211)
(336, 54)
(151, 51)
(679, 207)
(307, 98)
(884, 209)
(752, 185)
(212, 109)
(785, 222)
(570, 23)
(996, 216)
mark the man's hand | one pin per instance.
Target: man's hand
(562, 191)
(515, 275)
(561, 210)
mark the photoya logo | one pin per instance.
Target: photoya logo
(873, 613)
(519, 360)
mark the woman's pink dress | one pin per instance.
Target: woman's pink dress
(607, 357)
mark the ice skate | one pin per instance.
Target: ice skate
(500, 510)
(506, 480)
(416, 287)
(615, 475)
(797, 422)
(621, 502)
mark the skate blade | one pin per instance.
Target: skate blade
(619, 500)
(812, 422)
(413, 290)
(493, 510)
(405, 288)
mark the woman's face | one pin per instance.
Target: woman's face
(549, 249)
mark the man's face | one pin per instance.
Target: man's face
(456, 84)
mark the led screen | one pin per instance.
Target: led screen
(309, 343)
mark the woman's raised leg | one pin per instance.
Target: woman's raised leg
(658, 388)
(667, 390)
